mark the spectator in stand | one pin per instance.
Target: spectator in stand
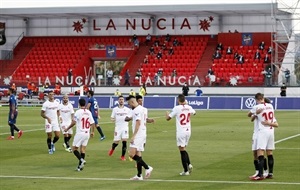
(267, 59)
(155, 80)
(217, 55)
(136, 44)
(151, 50)
(109, 74)
(270, 50)
(268, 77)
(138, 74)
(219, 47)
(261, 46)
(146, 59)
(236, 55)
(241, 59)
(164, 47)
(57, 89)
(210, 72)
(168, 38)
(134, 37)
(156, 42)
(70, 73)
(160, 72)
(229, 50)
(159, 55)
(257, 55)
(174, 73)
(236, 31)
(171, 51)
(148, 39)
(175, 42)
(29, 90)
(127, 78)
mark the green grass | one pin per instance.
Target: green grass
(219, 149)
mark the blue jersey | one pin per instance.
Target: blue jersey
(93, 107)
(12, 103)
(198, 92)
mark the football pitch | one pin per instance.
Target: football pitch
(219, 149)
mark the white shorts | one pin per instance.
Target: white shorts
(254, 141)
(51, 127)
(138, 143)
(81, 139)
(183, 139)
(265, 140)
(63, 126)
(121, 134)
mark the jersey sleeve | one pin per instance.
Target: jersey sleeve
(173, 113)
(71, 108)
(253, 110)
(193, 111)
(44, 107)
(113, 114)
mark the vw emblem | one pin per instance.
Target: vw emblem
(250, 102)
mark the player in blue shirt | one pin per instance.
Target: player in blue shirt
(93, 107)
(13, 113)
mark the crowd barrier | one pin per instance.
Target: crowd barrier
(202, 103)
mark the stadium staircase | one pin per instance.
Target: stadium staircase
(206, 60)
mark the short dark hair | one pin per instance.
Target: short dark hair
(129, 97)
(259, 96)
(181, 98)
(91, 92)
(137, 97)
(120, 97)
(267, 100)
(81, 102)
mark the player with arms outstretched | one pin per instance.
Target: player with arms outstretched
(182, 112)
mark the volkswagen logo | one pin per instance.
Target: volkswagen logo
(250, 102)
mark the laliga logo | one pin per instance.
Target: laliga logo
(250, 102)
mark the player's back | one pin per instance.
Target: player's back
(139, 114)
(93, 107)
(84, 119)
(183, 115)
(267, 114)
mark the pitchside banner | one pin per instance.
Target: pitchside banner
(249, 102)
(226, 103)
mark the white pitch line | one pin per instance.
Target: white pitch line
(152, 180)
(287, 138)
